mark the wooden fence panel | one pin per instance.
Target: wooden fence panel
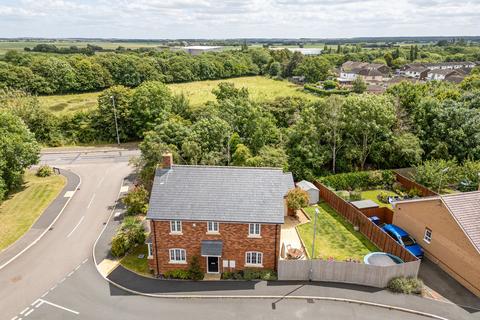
(366, 227)
(410, 184)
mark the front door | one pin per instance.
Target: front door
(212, 264)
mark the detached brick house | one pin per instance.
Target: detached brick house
(230, 217)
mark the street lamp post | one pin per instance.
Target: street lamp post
(115, 116)
(313, 244)
(441, 177)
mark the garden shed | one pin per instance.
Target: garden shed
(313, 192)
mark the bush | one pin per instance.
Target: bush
(345, 195)
(232, 275)
(397, 187)
(414, 193)
(383, 197)
(44, 171)
(131, 233)
(136, 201)
(259, 274)
(297, 199)
(355, 195)
(177, 274)
(194, 270)
(405, 285)
(323, 92)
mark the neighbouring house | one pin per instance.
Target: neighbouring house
(443, 74)
(304, 51)
(414, 70)
(450, 65)
(311, 189)
(370, 72)
(448, 229)
(229, 217)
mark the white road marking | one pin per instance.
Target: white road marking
(44, 295)
(41, 302)
(124, 189)
(100, 182)
(91, 200)
(84, 261)
(78, 267)
(27, 314)
(70, 274)
(24, 310)
(60, 307)
(81, 220)
(69, 194)
(14, 318)
(38, 301)
(53, 288)
(61, 280)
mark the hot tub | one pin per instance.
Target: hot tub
(381, 259)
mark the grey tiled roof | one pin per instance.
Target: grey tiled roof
(211, 193)
(465, 208)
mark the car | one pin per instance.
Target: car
(404, 239)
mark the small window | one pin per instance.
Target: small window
(428, 235)
(254, 230)
(212, 227)
(178, 256)
(150, 250)
(253, 258)
(176, 226)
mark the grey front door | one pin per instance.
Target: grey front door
(212, 264)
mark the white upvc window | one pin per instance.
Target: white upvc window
(428, 235)
(254, 230)
(150, 250)
(253, 258)
(212, 227)
(178, 256)
(176, 226)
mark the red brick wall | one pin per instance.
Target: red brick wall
(235, 243)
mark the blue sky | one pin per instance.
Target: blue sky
(237, 18)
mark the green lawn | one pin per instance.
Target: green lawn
(335, 236)
(260, 88)
(132, 262)
(198, 92)
(372, 195)
(21, 210)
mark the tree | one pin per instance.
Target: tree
(136, 201)
(227, 90)
(334, 126)
(275, 69)
(18, 151)
(150, 105)
(388, 59)
(369, 119)
(297, 199)
(359, 85)
(241, 155)
(269, 156)
(314, 69)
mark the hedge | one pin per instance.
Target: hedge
(362, 180)
(323, 92)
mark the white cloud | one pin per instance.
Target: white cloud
(237, 18)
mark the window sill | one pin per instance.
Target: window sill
(176, 233)
(249, 265)
(214, 233)
(178, 262)
(150, 257)
(252, 236)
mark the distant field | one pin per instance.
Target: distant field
(260, 89)
(198, 93)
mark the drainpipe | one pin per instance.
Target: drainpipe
(156, 248)
(276, 244)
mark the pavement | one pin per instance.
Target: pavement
(44, 222)
(58, 279)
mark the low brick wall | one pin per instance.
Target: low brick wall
(346, 272)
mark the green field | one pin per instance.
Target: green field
(21, 210)
(335, 237)
(198, 92)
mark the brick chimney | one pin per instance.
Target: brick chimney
(167, 161)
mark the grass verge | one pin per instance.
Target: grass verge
(21, 210)
(132, 262)
(335, 236)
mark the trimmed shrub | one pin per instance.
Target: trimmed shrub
(177, 274)
(405, 285)
(232, 275)
(256, 274)
(194, 270)
(297, 199)
(131, 233)
(323, 92)
(44, 171)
